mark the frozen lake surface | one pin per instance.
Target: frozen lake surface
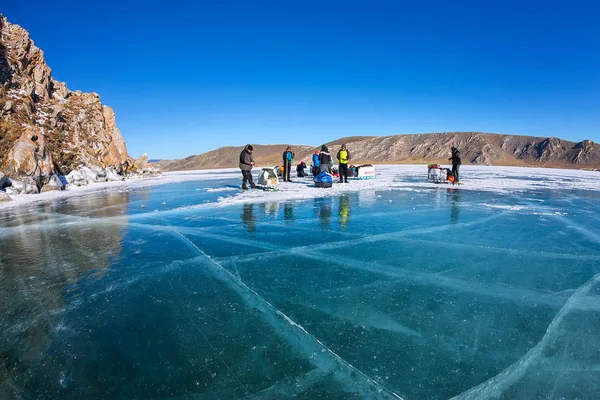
(183, 287)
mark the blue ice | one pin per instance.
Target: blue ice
(435, 293)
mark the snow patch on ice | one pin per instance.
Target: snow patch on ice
(389, 177)
(504, 207)
(222, 189)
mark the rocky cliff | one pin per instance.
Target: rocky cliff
(46, 130)
(476, 148)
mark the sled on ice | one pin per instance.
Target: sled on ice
(268, 177)
(323, 180)
(437, 174)
(365, 171)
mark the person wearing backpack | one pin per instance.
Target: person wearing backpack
(456, 162)
(343, 155)
(324, 159)
(288, 156)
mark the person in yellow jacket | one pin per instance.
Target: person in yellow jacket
(343, 155)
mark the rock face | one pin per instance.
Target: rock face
(479, 149)
(476, 148)
(47, 130)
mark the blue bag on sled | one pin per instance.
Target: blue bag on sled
(323, 180)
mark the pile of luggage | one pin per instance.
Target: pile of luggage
(268, 177)
(365, 171)
(437, 174)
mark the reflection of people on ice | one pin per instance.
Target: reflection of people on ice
(300, 170)
(248, 217)
(455, 206)
(455, 158)
(322, 207)
(344, 211)
(343, 156)
(246, 164)
(288, 213)
(316, 163)
(288, 156)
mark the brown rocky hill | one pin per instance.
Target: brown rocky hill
(476, 148)
(479, 149)
(227, 157)
(46, 129)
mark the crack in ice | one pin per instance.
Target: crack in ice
(496, 386)
(294, 333)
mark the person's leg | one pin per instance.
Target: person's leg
(456, 175)
(250, 180)
(244, 179)
(289, 170)
(344, 173)
(455, 172)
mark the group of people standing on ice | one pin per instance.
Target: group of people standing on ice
(322, 162)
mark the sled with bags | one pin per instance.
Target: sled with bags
(323, 180)
(268, 177)
(437, 174)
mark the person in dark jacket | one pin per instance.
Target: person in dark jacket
(288, 156)
(455, 158)
(316, 163)
(343, 155)
(300, 170)
(246, 164)
(324, 159)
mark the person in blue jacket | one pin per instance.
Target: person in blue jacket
(316, 163)
(288, 156)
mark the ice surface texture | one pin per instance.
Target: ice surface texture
(194, 290)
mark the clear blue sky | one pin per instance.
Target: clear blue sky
(188, 77)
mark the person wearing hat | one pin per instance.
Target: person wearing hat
(288, 156)
(315, 169)
(300, 173)
(246, 164)
(343, 155)
(324, 159)
(455, 158)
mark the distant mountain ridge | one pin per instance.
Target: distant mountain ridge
(477, 148)
(227, 157)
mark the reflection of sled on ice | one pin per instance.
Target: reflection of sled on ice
(437, 174)
(365, 171)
